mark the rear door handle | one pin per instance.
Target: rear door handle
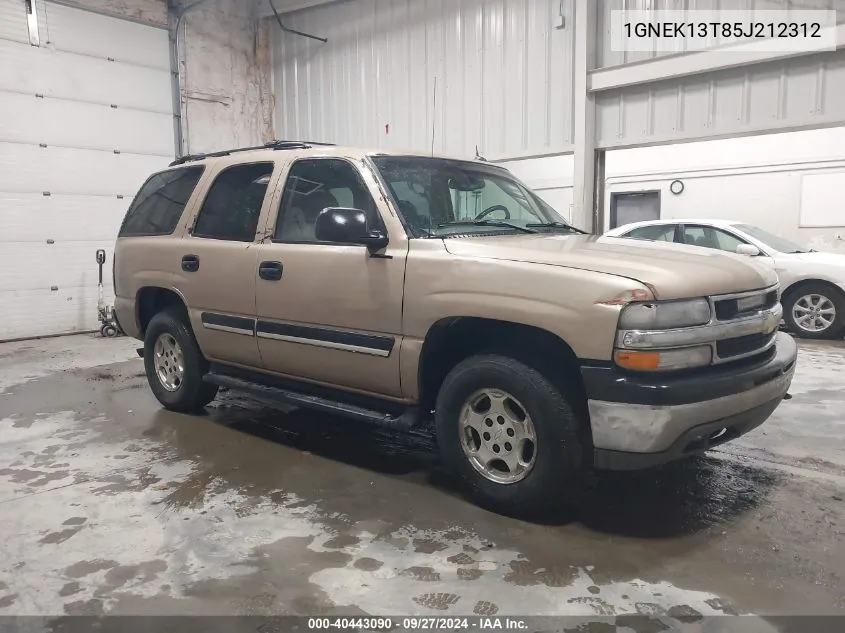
(190, 263)
(270, 271)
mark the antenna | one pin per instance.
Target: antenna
(434, 116)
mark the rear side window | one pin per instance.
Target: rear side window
(160, 202)
(233, 204)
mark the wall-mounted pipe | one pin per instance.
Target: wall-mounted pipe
(290, 30)
(175, 16)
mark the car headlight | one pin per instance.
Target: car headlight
(663, 315)
(664, 359)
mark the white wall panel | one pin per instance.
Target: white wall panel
(71, 30)
(606, 57)
(85, 118)
(32, 70)
(797, 93)
(29, 168)
(43, 312)
(84, 125)
(33, 217)
(502, 72)
(70, 264)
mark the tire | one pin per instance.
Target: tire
(189, 392)
(823, 296)
(555, 478)
(109, 331)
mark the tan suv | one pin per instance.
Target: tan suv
(399, 289)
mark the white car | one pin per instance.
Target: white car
(812, 283)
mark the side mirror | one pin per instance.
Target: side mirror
(747, 249)
(101, 256)
(348, 226)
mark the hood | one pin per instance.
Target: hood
(675, 271)
(796, 266)
(836, 260)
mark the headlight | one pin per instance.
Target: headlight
(659, 315)
(663, 360)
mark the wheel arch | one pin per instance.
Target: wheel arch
(453, 339)
(796, 285)
(150, 300)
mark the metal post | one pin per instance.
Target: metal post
(584, 119)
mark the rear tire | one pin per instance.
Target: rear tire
(174, 364)
(542, 479)
(799, 303)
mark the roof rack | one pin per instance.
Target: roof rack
(275, 145)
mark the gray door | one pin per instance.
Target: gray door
(626, 208)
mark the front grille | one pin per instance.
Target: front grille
(742, 345)
(736, 308)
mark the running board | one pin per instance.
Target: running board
(406, 420)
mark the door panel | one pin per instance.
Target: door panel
(221, 296)
(335, 316)
(218, 263)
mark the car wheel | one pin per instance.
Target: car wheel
(174, 364)
(815, 311)
(509, 436)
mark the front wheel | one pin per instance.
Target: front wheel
(815, 311)
(174, 364)
(509, 436)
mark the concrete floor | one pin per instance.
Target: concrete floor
(109, 504)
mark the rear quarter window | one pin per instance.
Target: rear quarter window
(159, 204)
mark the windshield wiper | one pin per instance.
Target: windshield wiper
(556, 225)
(499, 223)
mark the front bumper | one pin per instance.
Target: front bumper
(641, 421)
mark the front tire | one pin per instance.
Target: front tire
(174, 364)
(509, 436)
(815, 311)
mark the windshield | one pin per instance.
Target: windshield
(772, 241)
(440, 197)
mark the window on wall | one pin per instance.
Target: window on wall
(159, 204)
(639, 206)
(316, 184)
(233, 204)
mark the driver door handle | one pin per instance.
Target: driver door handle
(190, 263)
(270, 271)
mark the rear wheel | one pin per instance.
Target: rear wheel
(815, 311)
(509, 436)
(174, 364)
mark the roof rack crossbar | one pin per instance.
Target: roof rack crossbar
(276, 145)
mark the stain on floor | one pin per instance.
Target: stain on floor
(109, 504)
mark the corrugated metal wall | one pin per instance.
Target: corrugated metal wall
(784, 95)
(606, 57)
(805, 91)
(502, 72)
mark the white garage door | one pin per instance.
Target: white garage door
(85, 117)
